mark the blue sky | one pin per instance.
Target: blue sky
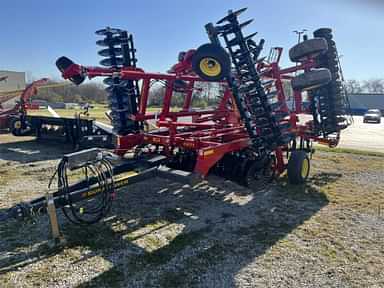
(35, 33)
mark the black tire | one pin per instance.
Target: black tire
(211, 62)
(63, 63)
(15, 127)
(311, 47)
(298, 167)
(323, 33)
(312, 79)
(18, 128)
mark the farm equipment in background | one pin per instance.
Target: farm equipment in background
(18, 107)
(252, 136)
(80, 130)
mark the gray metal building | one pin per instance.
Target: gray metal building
(12, 80)
(363, 101)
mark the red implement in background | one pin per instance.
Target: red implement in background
(20, 105)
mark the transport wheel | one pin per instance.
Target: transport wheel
(259, 175)
(312, 79)
(211, 62)
(323, 33)
(15, 127)
(311, 47)
(298, 167)
(63, 63)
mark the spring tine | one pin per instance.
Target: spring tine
(243, 61)
(249, 37)
(275, 106)
(238, 12)
(284, 126)
(230, 15)
(255, 108)
(233, 42)
(246, 23)
(271, 95)
(267, 83)
(280, 116)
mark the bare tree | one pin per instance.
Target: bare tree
(156, 95)
(374, 86)
(353, 86)
(90, 92)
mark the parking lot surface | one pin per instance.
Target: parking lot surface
(363, 136)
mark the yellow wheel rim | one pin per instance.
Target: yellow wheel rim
(17, 124)
(210, 67)
(305, 168)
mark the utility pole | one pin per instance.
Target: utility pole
(299, 33)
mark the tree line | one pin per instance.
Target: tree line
(374, 86)
(204, 94)
(60, 92)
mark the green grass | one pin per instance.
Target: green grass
(350, 151)
(98, 112)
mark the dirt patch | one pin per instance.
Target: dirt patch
(326, 233)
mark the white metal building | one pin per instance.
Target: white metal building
(12, 81)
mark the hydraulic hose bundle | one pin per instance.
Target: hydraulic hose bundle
(98, 176)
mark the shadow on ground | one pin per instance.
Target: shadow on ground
(32, 150)
(220, 220)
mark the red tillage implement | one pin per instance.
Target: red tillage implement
(252, 136)
(252, 119)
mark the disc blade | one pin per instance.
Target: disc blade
(110, 52)
(108, 42)
(108, 30)
(108, 62)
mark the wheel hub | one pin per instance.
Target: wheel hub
(210, 66)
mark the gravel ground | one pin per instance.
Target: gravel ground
(327, 233)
